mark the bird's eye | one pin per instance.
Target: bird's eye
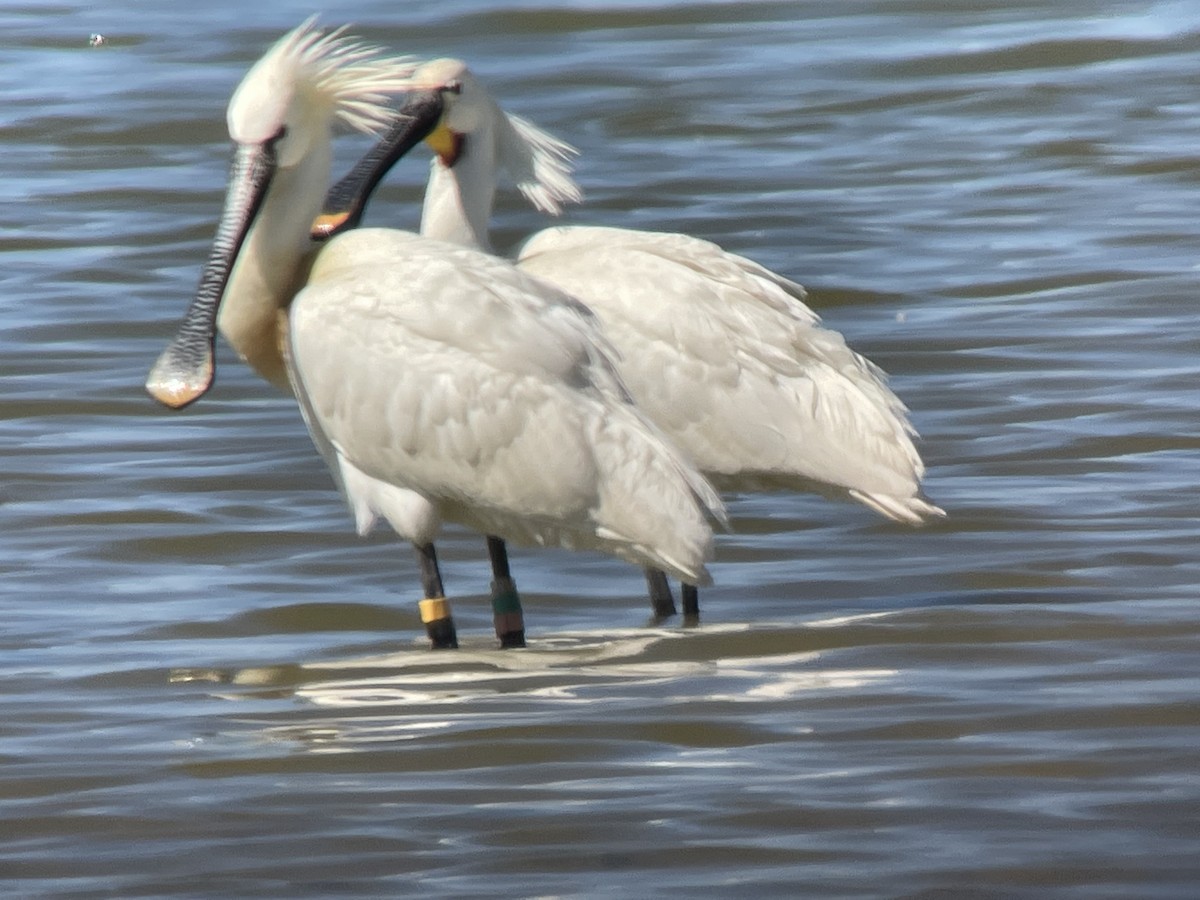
(452, 87)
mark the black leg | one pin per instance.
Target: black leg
(661, 600)
(691, 604)
(506, 602)
(435, 608)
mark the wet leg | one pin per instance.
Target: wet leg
(661, 600)
(691, 604)
(435, 608)
(506, 602)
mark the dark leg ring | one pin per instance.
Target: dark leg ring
(439, 624)
(506, 602)
(435, 608)
(507, 614)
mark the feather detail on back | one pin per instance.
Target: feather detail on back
(450, 375)
(725, 356)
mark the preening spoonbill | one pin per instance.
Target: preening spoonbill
(720, 352)
(438, 382)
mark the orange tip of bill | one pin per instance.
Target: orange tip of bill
(183, 373)
(176, 391)
(176, 395)
(327, 224)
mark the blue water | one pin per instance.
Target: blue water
(211, 687)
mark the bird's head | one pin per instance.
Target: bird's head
(451, 111)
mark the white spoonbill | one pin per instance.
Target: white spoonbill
(719, 351)
(439, 383)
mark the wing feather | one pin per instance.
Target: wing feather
(446, 372)
(726, 357)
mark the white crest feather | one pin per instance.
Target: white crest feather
(353, 77)
(539, 163)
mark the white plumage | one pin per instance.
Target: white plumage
(438, 382)
(447, 384)
(722, 353)
(726, 358)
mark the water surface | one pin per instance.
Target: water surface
(213, 688)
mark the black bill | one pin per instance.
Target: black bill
(185, 370)
(347, 200)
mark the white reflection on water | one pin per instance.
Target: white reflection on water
(420, 693)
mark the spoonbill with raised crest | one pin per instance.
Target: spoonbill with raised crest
(438, 382)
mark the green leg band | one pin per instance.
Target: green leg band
(506, 613)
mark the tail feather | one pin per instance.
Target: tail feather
(654, 499)
(910, 510)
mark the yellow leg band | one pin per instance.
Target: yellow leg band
(434, 610)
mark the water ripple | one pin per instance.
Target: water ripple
(213, 688)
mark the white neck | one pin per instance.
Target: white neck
(273, 263)
(458, 199)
